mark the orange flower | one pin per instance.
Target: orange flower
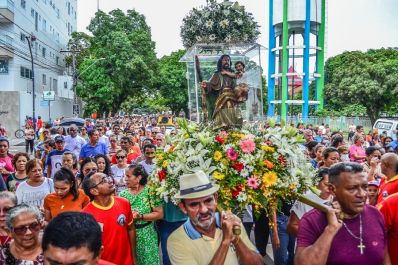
(268, 164)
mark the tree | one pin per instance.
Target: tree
(79, 43)
(173, 85)
(129, 66)
(367, 78)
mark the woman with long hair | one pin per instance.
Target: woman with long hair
(330, 156)
(14, 179)
(357, 150)
(87, 166)
(36, 187)
(146, 209)
(118, 171)
(67, 197)
(104, 164)
(69, 161)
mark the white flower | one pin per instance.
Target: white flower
(198, 38)
(239, 21)
(228, 38)
(226, 12)
(212, 37)
(241, 197)
(224, 23)
(206, 14)
(209, 23)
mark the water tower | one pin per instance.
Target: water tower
(296, 55)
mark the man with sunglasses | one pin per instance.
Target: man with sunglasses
(149, 154)
(115, 218)
(133, 152)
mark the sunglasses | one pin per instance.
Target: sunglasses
(108, 179)
(120, 157)
(33, 227)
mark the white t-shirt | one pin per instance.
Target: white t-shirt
(148, 167)
(118, 176)
(34, 196)
(74, 144)
(104, 139)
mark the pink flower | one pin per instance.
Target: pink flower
(247, 146)
(253, 182)
(232, 154)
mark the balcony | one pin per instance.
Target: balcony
(6, 46)
(6, 11)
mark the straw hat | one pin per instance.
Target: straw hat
(196, 185)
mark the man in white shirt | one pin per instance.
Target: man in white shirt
(74, 142)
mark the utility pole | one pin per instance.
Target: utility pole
(30, 40)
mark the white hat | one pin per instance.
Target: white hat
(196, 185)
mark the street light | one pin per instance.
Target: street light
(30, 40)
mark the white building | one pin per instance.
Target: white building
(51, 22)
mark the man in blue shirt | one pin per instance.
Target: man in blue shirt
(93, 147)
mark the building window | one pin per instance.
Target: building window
(51, 82)
(44, 79)
(43, 52)
(44, 25)
(26, 72)
(32, 12)
(57, 60)
(55, 84)
(23, 4)
(3, 66)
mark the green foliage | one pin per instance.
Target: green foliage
(79, 43)
(173, 86)
(129, 66)
(224, 22)
(369, 79)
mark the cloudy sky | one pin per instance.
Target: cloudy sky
(352, 24)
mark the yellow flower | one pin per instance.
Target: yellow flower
(218, 176)
(217, 155)
(269, 179)
(160, 157)
(267, 148)
(186, 136)
(165, 163)
(225, 162)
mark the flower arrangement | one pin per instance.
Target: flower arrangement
(224, 22)
(251, 168)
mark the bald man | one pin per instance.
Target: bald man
(389, 167)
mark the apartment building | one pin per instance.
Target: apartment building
(51, 22)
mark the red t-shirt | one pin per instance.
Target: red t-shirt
(114, 220)
(387, 188)
(134, 153)
(389, 209)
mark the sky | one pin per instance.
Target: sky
(352, 24)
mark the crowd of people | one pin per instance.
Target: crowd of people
(86, 188)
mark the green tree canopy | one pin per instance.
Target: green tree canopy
(121, 62)
(367, 78)
(173, 86)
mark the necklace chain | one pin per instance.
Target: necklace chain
(361, 246)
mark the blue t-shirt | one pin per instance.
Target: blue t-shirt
(90, 151)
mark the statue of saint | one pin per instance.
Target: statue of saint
(223, 95)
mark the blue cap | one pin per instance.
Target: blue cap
(393, 145)
(2, 139)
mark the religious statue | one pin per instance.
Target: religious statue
(223, 95)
